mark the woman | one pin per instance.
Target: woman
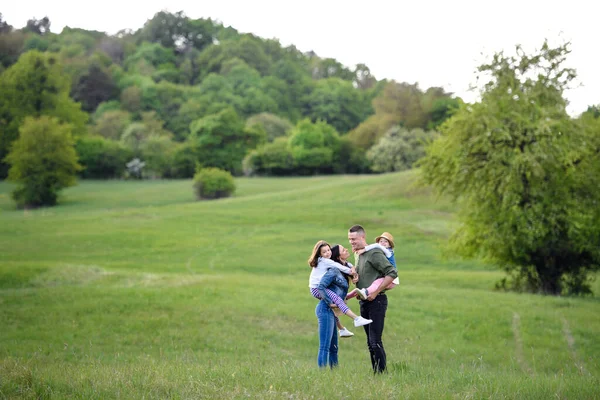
(338, 283)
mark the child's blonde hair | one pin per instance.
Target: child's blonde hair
(316, 253)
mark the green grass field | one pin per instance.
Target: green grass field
(136, 290)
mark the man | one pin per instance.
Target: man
(370, 266)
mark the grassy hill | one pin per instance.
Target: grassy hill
(135, 290)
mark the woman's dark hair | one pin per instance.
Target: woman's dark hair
(335, 256)
(335, 253)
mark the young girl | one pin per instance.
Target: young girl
(384, 242)
(320, 261)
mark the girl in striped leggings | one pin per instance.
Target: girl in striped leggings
(320, 261)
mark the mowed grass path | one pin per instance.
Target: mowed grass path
(136, 290)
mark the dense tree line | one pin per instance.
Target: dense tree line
(181, 92)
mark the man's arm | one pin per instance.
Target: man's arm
(385, 283)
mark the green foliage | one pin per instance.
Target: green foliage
(131, 99)
(273, 125)
(177, 31)
(399, 149)
(310, 148)
(338, 103)
(36, 43)
(313, 146)
(405, 105)
(525, 175)
(35, 86)
(148, 57)
(164, 98)
(11, 47)
(137, 133)
(183, 161)
(42, 161)
(329, 68)
(246, 48)
(102, 158)
(213, 183)
(156, 151)
(274, 158)
(113, 105)
(111, 124)
(221, 141)
(350, 159)
(593, 111)
(95, 86)
(186, 69)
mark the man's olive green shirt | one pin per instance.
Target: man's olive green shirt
(372, 265)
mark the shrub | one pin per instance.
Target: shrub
(213, 183)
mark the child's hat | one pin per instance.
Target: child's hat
(388, 236)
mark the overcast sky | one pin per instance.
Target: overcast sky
(434, 43)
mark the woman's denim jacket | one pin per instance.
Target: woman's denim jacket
(335, 281)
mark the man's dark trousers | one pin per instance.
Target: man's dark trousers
(375, 310)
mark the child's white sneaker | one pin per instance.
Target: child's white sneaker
(362, 293)
(360, 321)
(345, 333)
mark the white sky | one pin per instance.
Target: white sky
(432, 42)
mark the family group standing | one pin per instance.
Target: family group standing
(373, 274)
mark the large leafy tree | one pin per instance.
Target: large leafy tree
(35, 86)
(221, 141)
(43, 161)
(525, 175)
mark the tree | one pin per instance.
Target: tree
(5, 27)
(43, 161)
(398, 149)
(93, 87)
(363, 79)
(525, 175)
(35, 86)
(221, 141)
(11, 47)
(38, 26)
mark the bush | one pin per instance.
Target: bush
(102, 158)
(399, 149)
(43, 161)
(213, 183)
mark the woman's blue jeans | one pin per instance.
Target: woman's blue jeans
(328, 336)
